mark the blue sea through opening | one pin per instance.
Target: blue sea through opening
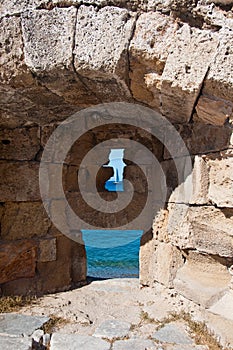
(115, 183)
(112, 253)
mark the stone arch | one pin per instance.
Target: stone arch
(60, 57)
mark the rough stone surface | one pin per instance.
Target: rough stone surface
(111, 329)
(97, 28)
(168, 259)
(218, 68)
(76, 341)
(148, 52)
(224, 306)
(214, 111)
(93, 56)
(11, 51)
(184, 73)
(202, 279)
(24, 220)
(19, 144)
(172, 333)
(47, 250)
(55, 55)
(56, 275)
(12, 343)
(44, 52)
(133, 344)
(18, 260)
(124, 299)
(221, 181)
(18, 325)
(205, 228)
(19, 181)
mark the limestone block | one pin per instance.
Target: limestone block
(133, 344)
(47, 250)
(8, 342)
(111, 329)
(48, 44)
(210, 181)
(208, 138)
(185, 70)
(11, 50)
(57, 213)
(109, 213)
(221, 70)
(17, 260)
(24, 220)
(202, 279)
(20, 143)
(167, 260)
(85, 342)
(178, 187)
(78, 262)
(19, 181)
(200, 179)
(214, 111)
(205, 228)
(146, 254)
(159, 5)
(221, 181)
(198, 138)
(56, 275)
(8, 7)
(30, 104)
(224, 306)
(148, 52)
(160, 226)
(173, 333)
(18, 325)
(102, 38)
(48, 37)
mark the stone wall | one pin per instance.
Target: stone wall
(175, 56)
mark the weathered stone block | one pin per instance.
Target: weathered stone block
(8, 7)
(167, 260)
(48, 37)
(146, 254)
(111, 329)
(185, 71)
(209, 182)
(202, 279)
(78, 262)
(19, 181)
(218, 83)
(214, 111)
(221, 181)
(56, 275)
(24, 220)
(17, 260)
(102, 38)
(148, 52)
(11, 50)
(20, 143)
(85, 342)
(48, 44)
(18, 325)
(198, 138)
(8, 342)
(173, 333)
(47, 250)
(204, 228)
